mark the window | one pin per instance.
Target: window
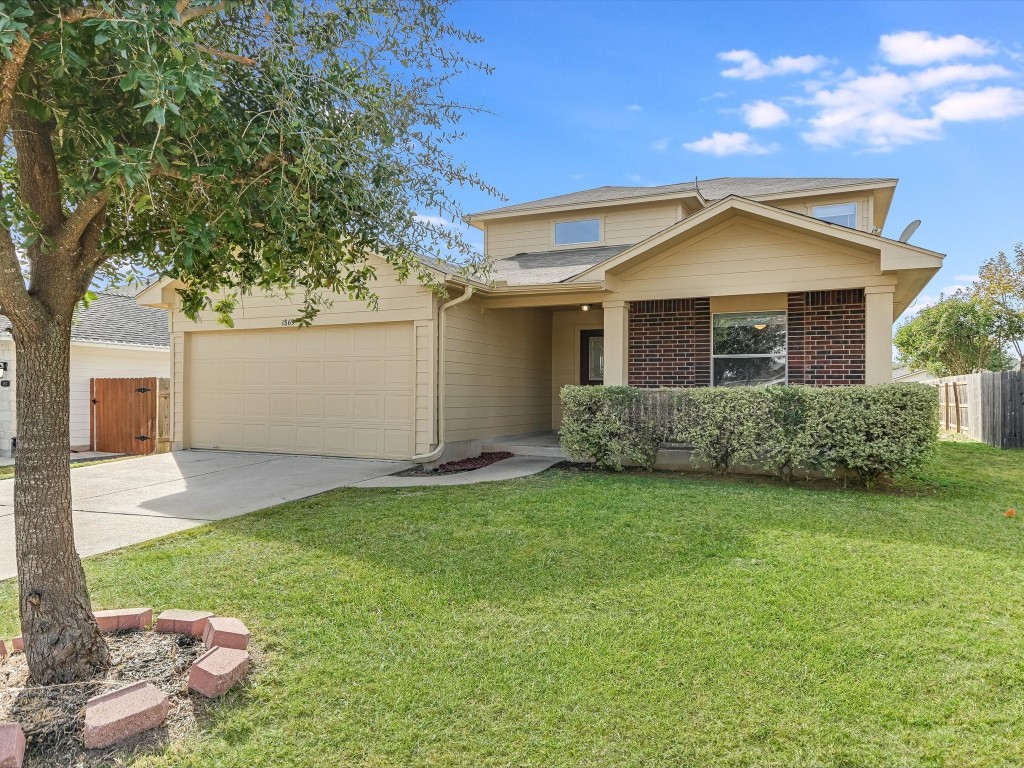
(843, 213)
(581, 231)
(749, 349)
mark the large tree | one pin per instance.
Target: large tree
(959, 334)
(1001, 284)
(233, 146)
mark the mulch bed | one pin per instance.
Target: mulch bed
(53, 716)
(463, 465)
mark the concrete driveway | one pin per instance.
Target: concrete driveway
(125, 502)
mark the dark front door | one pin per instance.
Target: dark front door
(591, 357)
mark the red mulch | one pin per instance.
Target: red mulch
(478, 462)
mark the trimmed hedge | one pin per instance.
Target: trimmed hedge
(869, 431)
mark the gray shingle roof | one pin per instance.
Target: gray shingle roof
(711, 189)
(550, 266)
(113, 317)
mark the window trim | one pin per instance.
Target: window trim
(785, 355)
(856, 213)
(600, 232)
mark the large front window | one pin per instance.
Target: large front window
(749, 348)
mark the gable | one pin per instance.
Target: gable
(747, 255)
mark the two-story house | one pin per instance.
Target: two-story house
(717, 283)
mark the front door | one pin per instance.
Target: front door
(592, 357)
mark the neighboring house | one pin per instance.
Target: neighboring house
(114, 337)
(728, 281)
(908, 375)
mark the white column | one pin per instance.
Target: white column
(616, 342)
(878, 319)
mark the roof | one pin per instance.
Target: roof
(710, 189)
(551, 266)
(113, 317)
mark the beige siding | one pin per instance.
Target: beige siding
(497, 371)
(408, 303)
(565, 352)
(741, 256)
(622, 226)
(751, 302)
(805, 205)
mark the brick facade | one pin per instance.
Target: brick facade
(826, 337)
(670, 340)
(670, 343)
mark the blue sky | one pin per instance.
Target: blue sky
(586, 94)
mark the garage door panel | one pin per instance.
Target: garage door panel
(332, 390)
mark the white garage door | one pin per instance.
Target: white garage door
(342, 390)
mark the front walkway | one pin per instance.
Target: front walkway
(125, 502)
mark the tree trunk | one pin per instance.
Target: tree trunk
(62, 641)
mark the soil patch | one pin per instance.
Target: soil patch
(462, 465)
(53, 716)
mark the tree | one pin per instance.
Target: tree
(1001, 283)
(960, 334)
(233, 146)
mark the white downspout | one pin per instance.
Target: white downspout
(425, 458)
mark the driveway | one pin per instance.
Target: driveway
(125, 502)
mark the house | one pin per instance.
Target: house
(911, 375)
(725, 281)
(114, 337)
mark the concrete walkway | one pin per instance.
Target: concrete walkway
(126, 502)
(508, 469)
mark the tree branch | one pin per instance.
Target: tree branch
(68, 237)
(188, 14)
(9, 84)
(225, 55)
(37, 168)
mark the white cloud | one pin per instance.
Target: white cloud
(885, 110)
(660, 145)
(751, 67)
(986, 104)
(922, 48)
(764, 114)
(634, 108)
(723, 144)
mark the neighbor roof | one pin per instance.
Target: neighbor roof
(113, 317)
(551, 266)
(709, 189)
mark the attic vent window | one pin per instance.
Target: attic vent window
(843, 213)
(580, 231)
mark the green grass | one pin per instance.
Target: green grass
(599, 620)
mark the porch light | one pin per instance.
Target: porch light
(585, 307)
(760, 326)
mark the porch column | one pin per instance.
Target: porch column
(616, 343)
(878, 319)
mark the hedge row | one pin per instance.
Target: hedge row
(870, 431)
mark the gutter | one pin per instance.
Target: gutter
(425, 458)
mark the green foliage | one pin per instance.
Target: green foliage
(609, 424)
(962, 333)
(266, 145)
(868, 431)
(1001, 284)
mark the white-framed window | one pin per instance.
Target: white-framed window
(578, 231)
(748, 349)
(841, 213)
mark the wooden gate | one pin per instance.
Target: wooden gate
(128, 415)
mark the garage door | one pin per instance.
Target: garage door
(343, 390)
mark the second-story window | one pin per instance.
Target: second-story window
(843, 213)
(579, 231)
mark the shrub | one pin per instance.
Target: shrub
(871, 431)
(609, 424)
(868, 431)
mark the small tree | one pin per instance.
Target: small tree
(1001, 283)
(232, 146)
(960, 334)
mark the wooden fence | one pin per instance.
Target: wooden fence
(985, 406)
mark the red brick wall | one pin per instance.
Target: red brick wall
(670, 343)
(826, 337)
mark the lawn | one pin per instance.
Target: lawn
(598, 620)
